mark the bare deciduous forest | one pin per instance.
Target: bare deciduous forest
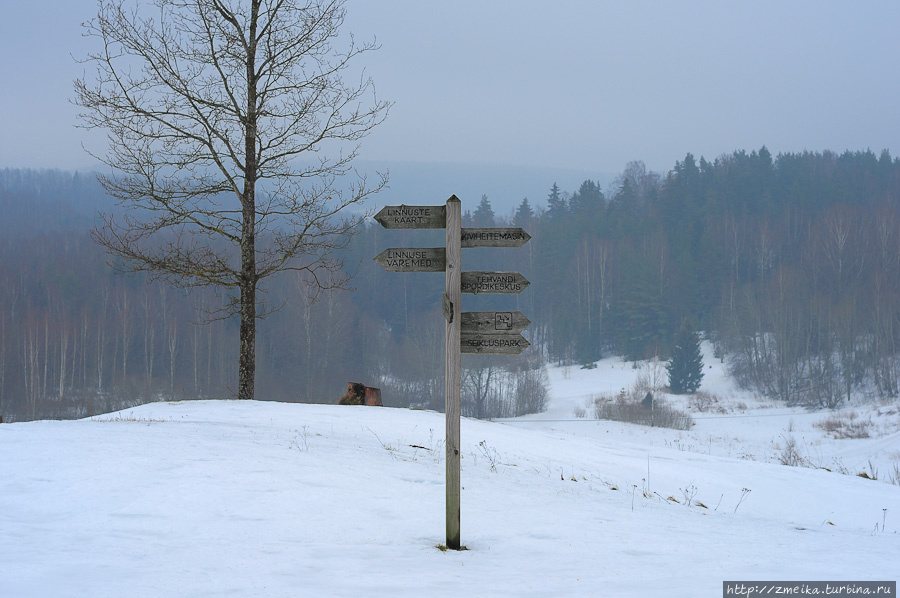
(789, 264)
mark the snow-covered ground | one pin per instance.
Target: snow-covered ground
(734, 423)
(226, 498)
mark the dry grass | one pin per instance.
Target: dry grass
(789, 454)
(894, 474)
(126, 418)
(706, 401)
(628, 408)
(845, 425)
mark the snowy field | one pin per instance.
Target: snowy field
(226, 498)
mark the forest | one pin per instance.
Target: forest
(789, 264)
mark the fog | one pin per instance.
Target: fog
(573, 85)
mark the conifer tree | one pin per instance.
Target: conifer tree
(484, 214)
(686, 365)
(556, 203)
(524, 214)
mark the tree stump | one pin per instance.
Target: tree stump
(373, 397)
(360, 394)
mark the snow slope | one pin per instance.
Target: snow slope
(737, 424)
(227, 498)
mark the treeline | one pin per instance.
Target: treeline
(77, 339)
(790, 264)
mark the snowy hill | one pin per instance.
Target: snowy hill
(853, 440)
(226, 498)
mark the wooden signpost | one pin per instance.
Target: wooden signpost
(499, 344)
(494, 322)
(425, 259)
(509, 283)
(412, 217)
(494, 237)
(469, 332)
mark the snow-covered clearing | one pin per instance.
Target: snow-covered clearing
(734, 423)
(226, 498)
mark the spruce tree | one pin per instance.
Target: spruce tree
(524, 215)
(556, 203)
(686, 365)
(484, 214)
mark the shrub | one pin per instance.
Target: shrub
(789, 453)
(626, 408)
(704, 401)
(845, 425)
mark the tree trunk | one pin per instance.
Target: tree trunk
(247, 358)
(249, 277)
(172, 330)
(2, 362)
(63, 355)
(195, 340)
(126, 328)
(46, 356)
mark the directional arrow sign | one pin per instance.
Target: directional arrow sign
(494, 237)
(412, 216)
(511, 283)
(493, 322)
(498, 344)
(413, 259)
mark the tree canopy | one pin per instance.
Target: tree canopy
(231, 134)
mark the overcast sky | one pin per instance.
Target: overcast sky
(581, 85)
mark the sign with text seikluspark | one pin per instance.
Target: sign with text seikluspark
(508, 283)
(413, 259)
(496, 344)
(412, 216)
(494, 237)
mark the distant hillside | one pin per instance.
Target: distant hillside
(79, 195)
(47, 201)
(506, 186)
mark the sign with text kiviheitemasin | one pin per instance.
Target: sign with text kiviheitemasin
(494, 237)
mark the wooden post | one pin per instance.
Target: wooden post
(485, 332)
(452, 371)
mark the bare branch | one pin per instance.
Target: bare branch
(218, 114)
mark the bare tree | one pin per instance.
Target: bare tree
(172, 345)
(478, 381)
(125, 317)
(3, 340)
(219, 114)
(102, 334)
(62, 338)
(149, 325)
